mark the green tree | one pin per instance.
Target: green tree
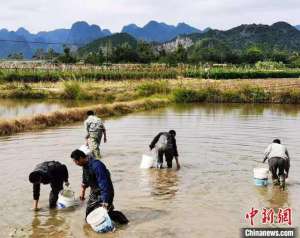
(145, 52)
(210, 50)
(280, 56)
(124, 54)
(39, 54)
(295, 60)
(95, 58)
(66, 58)
(181, 54)
(16, 56)
(253, 54)
(51, 54)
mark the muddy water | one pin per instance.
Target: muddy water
(219, 145)
(12, 108)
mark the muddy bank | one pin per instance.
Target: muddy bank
(63, 117)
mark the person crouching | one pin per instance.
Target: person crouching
(279, 162)
(49, 172)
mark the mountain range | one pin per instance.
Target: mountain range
(22, 41)
(81, 33)
(158, 32)
(280, 35)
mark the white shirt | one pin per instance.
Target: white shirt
(276, 150)
(93, 124)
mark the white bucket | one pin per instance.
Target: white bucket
(147, 162)
(100, 220)
(85, 149)
(66, 198)
(260, 173)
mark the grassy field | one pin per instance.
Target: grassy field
(246, 90)
(130, 88)
(52, 73)
(122, 97)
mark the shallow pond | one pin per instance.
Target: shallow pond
(13, 108)
(219, 146)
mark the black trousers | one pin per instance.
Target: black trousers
(168, 153)
(95, 202)
(277, 166)
(55, 189)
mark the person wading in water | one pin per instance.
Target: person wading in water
(49, 172)
(279, 162)
(95, 129)
(97, 177)
(165, 144)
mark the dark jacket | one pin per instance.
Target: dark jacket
(52, 172)
(97, 177)
(171, 142)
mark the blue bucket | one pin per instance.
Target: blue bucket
(261, 182)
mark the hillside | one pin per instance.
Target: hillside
(112, 41)
(13, 43)
(79, 34)
(280, 35)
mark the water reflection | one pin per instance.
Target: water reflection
(161, 184)
(244, 110)
(49, 224)
(164, 184)
(11, 108)
(273, 197)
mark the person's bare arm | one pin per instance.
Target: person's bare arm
(104, 133)
(177, 162)
(267, 152)
(36, 195)
(82, 193)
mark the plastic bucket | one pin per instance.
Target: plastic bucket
(147, 162)
(66, 198)
(260, 173)
(261, 182)
(99, 220)
(85, 149)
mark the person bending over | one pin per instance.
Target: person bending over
(279, 162)
(49, 172)
(165, 144)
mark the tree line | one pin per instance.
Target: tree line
(202, 52)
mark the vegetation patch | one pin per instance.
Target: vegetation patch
(75, 115)
(153, 87)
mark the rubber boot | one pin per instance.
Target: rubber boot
(282, 181)
(276, 182)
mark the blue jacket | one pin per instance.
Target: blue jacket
(97, 177)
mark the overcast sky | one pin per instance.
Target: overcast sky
(37, 15)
